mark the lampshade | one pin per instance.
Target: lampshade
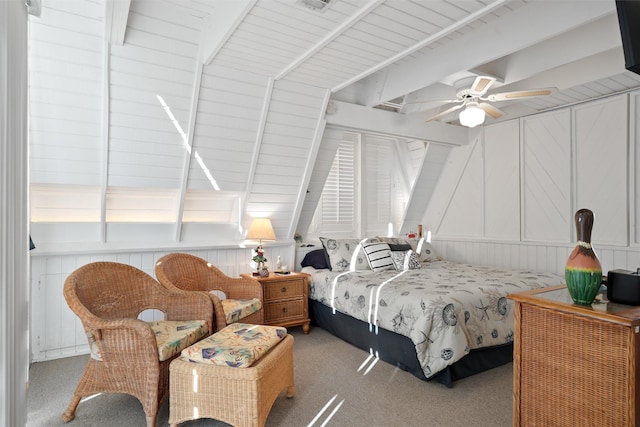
(472, 116)
(261, 229)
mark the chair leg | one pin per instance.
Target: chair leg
(291, 391)
(151, 421)
(70, 413)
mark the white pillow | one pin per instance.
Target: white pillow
(342, 251)
(379, 255)
(424, 250)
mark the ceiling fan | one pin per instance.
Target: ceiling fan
(475, 104)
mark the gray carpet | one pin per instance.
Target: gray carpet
(333, 388)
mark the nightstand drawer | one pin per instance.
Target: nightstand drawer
(282, 290)
(280, 311)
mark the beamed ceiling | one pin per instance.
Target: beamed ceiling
(410, 55)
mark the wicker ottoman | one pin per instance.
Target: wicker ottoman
(238, 396)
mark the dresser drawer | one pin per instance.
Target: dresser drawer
(279, 311)
(283, 289)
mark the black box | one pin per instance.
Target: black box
(623, 287)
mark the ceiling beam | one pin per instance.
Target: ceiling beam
(522, 69)
(507, 34)
(592, 39)
(374, 121)
(115, 20)
(417, 46)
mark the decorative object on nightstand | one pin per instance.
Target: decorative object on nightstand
(260, 229)
(286, 299)
(583, 272)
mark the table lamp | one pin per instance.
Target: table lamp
(260, 229)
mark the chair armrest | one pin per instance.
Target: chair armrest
(187, 305)
(219, 318)
(241, 288)
(127, 341)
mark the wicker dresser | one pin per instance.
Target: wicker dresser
(574, 365)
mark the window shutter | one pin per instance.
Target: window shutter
(336, 210)
(378, 185)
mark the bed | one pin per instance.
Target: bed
(437, 319)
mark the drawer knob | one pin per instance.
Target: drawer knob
(284, 309)
(283, 289)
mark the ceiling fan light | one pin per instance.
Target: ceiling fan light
(472, 116)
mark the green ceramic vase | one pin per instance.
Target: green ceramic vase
(583, 272)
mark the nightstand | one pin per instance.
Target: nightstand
(285, 299)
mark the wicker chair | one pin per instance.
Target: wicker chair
(108, 297)
(191, 273)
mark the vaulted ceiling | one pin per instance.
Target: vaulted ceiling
(402, 52)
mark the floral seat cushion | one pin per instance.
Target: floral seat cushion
(172, 336)
(237, 309)
(238, 345)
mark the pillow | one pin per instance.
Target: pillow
(405, 260)
(341, 251)
(317, 258)
(379, 255)
(400, 247)
(391, 240)
(424, 250)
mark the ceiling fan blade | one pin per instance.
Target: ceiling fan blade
(480, 85)
(494, 112)
(532, 93)
(445, 112)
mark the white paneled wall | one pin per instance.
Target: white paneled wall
(579, 157)
(292, 131)
(531, 256)
(463, 216)
(546, 177)
(511, 255)
(151, 79)
(57, 332)
(601, 179)
(231, 103)
(502, 181)
(65, 94)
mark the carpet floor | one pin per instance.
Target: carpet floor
(336, 384)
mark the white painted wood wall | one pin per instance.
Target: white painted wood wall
(509, 197)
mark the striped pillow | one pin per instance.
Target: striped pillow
(379, 255)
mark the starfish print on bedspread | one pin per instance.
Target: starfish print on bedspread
(398, 321)
(484, 309)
